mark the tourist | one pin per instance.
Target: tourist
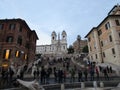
(97, 72)
(34, 70)
(100, 68)
(55, 74)
(105, 74)
(4, 79)
(43, 76)
(80, 75)
(107, 69)
(18, 72)
(110, 69)
(86, 74)
(37, 73)
(34, 74)
(11, 73)
(64, 75)
(72, 75)
(67, 65)
(48, 72)
(60, 75)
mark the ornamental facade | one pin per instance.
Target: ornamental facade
(58, 45)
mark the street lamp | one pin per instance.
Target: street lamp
(22, 56)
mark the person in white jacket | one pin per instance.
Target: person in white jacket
(18, 72)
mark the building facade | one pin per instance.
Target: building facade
(79, 44)
(104, 40)
(17, 42)
(58, 45)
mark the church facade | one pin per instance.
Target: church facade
(58, 45)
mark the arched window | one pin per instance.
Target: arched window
(63, 37)
(7, 54)
(19, 40)
(53, 38)
(12, 26)
(9, 39)
(110, 38)
(1, 26)
(17, 54)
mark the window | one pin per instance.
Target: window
(53, 38)
(52, 48)
(101, 43)
(94, 45)
(12, 26)
(20, 28)
(17, 54)
(19, 41)
(26, 57)
(63, 47)
(63, 37)
(89, 39)
(28, 35)
(91, 58)
(93, 35)
(119, 34)
(117, 22)
(27, 45)
(96, 56)
(99, 32)
(9, 39)
(1, 26)
(107, 25)
(103, 54)
(6, 54)
(33, 38)
(113, 51)
(110, 38)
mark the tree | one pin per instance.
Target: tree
(70, 49)
(85, 49)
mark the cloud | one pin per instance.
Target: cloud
(76, 17)
(44, 39)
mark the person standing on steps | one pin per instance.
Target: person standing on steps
(86, 74)
(80, 75)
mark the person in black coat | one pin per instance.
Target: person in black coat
(80, 76)
(43, 75)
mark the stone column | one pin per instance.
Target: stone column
(62, 87)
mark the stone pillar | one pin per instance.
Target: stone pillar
(95, 84)
(101, 84)
(62, 87)
(82, 85)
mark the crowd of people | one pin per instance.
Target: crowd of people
(60, 70)
(67, 69)
(10, 74)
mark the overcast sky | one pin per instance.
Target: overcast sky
(76, 17)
